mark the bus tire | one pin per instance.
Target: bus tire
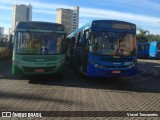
(81, 73)
(80, 69)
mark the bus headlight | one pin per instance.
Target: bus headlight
(133, 64)
(60, 62)
(17, 64)
(98, 66)
(92, 62)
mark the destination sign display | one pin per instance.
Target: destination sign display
(113, 25)
(40, 26)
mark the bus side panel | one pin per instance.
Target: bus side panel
(146, 47)
(16, 70)
(142, 50)
(60, 68)
(158, 50)
(152, 49)
(139, 50)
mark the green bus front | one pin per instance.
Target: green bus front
(38, 52)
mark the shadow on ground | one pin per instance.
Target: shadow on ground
(71, 79)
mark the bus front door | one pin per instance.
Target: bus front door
(85, 49)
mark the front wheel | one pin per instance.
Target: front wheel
(80, 70)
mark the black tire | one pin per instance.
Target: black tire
(81, 74)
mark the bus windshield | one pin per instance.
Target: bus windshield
(39, 43)
(112, 43)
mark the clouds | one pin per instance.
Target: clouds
(5, 7)
(132, 5)
(151, 4)
(48, 6)
(36, 4)
(91, 12)
(44, 11)
(111, 14)
(146, 22)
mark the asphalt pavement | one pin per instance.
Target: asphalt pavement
(70, 92)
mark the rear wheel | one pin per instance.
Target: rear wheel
(82, 73)
(80, 69)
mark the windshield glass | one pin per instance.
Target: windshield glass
(112, 43)
(39, 43)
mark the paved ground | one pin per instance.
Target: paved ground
(69, 92)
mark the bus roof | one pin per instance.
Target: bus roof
(142, 43)
(110, 24)
(155, 42)
(38, 25)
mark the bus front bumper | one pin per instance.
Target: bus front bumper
(16, 70)
(92, 71)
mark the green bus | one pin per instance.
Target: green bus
(39, 48)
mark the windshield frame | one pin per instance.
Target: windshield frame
(123, 33)
(49, 35)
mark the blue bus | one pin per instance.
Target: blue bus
(154, 49)
(103, 48)
(142, 50)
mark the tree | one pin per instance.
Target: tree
(142, 36)
(154, 38)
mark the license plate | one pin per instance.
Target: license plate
(116, 72)
(39, 70)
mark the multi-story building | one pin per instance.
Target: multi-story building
(75, 20)
(9, 31)
(1, 31)
(69, 18)
(21, 13)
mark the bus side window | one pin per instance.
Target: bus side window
(73, 41)
(158, 47)
(86, 36)
(71, 46)
(78, 39)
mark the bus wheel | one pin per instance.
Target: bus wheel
(80, 70)
(81, 73)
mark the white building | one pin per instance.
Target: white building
(21, 13)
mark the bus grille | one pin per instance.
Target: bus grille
(117, 59)
(33, 59)
(116, 66)
(32, 69)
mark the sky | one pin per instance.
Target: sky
(144, 13)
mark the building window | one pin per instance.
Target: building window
(75, 19)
